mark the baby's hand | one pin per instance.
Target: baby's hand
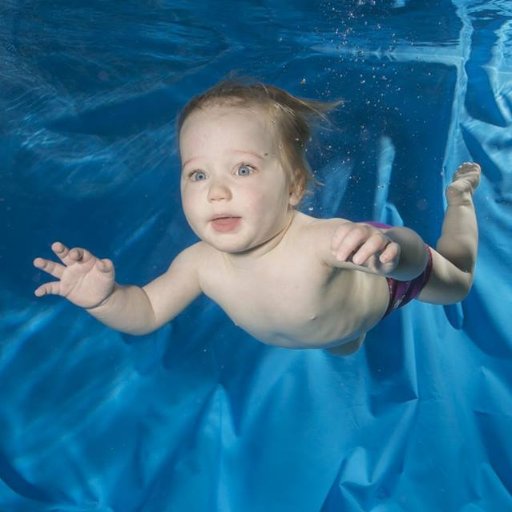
(83, 279)
(365, 246)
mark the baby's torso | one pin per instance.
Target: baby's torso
(292, 299)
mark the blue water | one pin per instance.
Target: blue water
(199, 416)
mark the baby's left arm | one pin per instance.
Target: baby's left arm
(396, 252)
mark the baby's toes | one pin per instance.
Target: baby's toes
(467, 168)
(469, 173)
(465, 180)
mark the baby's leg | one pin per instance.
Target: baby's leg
(459, 239)
(455, 255)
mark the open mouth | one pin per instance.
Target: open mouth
(225, 224)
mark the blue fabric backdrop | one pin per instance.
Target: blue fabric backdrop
(200, 417)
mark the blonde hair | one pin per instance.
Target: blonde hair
(291, 115)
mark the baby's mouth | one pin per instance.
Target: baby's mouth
(225, 223)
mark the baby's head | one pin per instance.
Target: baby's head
(288, 115)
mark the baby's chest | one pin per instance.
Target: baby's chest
(271, 295)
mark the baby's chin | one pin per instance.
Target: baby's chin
(232, 244)
(223, 242)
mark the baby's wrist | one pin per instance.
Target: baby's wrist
(102, 302)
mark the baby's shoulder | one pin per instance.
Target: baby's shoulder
(315, 230)
(314, 236)
(197, 253)
(197, 259)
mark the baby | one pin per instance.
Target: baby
(285, 277)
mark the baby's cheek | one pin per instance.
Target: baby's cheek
(189, 200)
(253, 203)
(189, 210)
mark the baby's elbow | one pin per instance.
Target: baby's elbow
(144, 328)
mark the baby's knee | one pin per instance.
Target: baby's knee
(447, 284)
(464, 284)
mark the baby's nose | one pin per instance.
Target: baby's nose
(218, 191)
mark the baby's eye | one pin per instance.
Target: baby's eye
(244, 170)
(197, 175)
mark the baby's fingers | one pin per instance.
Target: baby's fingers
(390, 253)
(61, 251)
(375, 245)
(79, 254)
(105, 265)
(70, 256)
(50, 267)
(345, 242)
(48, 289)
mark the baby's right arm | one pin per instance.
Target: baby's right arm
(89, 283)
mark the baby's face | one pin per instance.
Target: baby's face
(235, 192)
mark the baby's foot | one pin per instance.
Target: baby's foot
(464, 183)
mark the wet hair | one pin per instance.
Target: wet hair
(291, 115)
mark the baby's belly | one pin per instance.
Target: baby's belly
(321, 323)
(310, 334)
(302, 338)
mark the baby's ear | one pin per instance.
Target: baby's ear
(296, 194)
